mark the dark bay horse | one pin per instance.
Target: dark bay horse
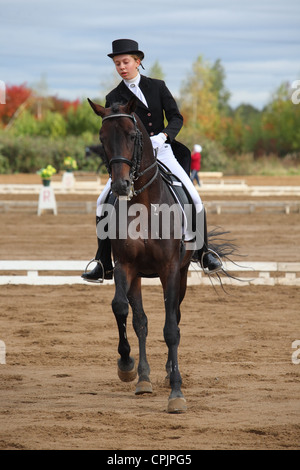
(135, 176)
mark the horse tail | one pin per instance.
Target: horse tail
(225, 249)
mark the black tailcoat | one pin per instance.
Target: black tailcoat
(160, 103)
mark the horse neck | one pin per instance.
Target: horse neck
(147, 154)
(147, 158)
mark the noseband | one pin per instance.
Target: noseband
(135, 162)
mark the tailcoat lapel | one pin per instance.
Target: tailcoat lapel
(127, 94)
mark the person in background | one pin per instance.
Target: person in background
(196, 163)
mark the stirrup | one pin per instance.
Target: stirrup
(95, 281)
(211, 271)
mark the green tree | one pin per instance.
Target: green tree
(52, 125)
(247, 113)
(218, 86)
(281, 123)
(243, 129)
(41, 102)
(83, 119)
(199, 101)
(25, 124)
(156, 71)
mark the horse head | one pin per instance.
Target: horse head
(122, 144)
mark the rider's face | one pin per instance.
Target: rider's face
(126, 66)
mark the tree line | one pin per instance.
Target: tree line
(228, 136)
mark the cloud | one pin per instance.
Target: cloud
(257, 42)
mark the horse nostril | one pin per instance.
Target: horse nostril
(121, 187)
(125, 184)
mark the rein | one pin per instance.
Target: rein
(135, 162)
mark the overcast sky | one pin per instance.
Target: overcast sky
(67, 41)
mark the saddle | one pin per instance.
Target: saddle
(176, 187)
(178, 191)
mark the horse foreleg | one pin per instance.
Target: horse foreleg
(182, 291)
(177, 403)
(140, 325)
(126, 364)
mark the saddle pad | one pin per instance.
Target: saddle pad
(178, 191)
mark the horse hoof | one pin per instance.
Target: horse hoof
(143, 387)
(177, 405)
(127, 375)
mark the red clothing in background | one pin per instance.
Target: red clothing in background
(196, 161)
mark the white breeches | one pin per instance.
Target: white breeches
(166, 156)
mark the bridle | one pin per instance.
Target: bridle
(135, 162)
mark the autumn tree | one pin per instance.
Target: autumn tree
(218, 87)
(199, 100)
(62, 106)
(281, 123)
(156, 71)
(82, 119)
(17, 96)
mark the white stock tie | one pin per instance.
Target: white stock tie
(137, 91)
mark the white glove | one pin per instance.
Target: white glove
(158, 140)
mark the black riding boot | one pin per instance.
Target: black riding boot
(103, 256)
(208, 259)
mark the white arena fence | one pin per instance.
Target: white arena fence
(68, 272)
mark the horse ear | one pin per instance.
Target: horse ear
(97, 108)
(131, 105)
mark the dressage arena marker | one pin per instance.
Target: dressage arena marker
(2, 352)
(47, 200)
(68, 180)
(251, 273)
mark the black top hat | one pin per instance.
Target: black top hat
(125, 46)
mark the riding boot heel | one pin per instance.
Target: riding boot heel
(104, 268)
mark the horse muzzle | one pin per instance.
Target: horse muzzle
(121, 184)
(122, 187)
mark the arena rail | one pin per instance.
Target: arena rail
(210, 186)
(251, 206)
(218, 207)
(36, 272)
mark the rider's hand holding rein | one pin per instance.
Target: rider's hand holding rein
(158, 140)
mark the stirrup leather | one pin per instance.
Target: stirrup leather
(95, 281)
(212, 271)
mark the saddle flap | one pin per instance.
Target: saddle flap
(179, 192)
